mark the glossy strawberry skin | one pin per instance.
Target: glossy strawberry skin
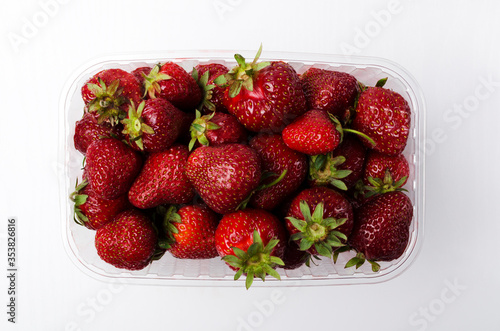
(294, 257)
(312, 133)
(328, 90)
(377, 164)
(112, 167)
(128, 242)
(276, 99)
(98, 211)
(87, 130)
(181, 89)
(131, 88)
(166, 122)
(276, 158)
(224, 175)
(236, 230)
(381, 226)
(217, 93)
(195, 238)
(335, 205)
(384, 116)
(229, 131)
(162, 180)
(140, 72)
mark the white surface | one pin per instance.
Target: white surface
(452, 49)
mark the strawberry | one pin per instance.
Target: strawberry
(277, 158)
(320, 219)
(341, 168)
(383, 173)
(384, 116)
(205, 75)
(92, 211)
(140, 74)
(225, 175)
(162, 179)
(112, 167)
(154, 126)
(109, 92)
(190, 232)
(294, 257)
(312, 133)
(381, 229)
(128, 242)
(332, 91)
(170, 81)
(264, 96)
(216, 129)
(88, 129)
(251, 242)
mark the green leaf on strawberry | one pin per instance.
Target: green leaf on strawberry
(314, 230)
(257, 261)
(134, 125)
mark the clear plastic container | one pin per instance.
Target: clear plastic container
(79, 241)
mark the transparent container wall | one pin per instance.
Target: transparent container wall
(79, 241)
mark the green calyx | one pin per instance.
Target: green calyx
(380, 186)
(107, 102)
(79, 199)
(200, 126)
(170, 217)
(151, 86)
(318, 232)
(205, 88)
(359, 260)
(134, 126)
(323, 169)
(242, 75)
(257, 261)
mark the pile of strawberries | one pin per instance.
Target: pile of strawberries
(256, 164)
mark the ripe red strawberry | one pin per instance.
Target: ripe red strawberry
(128, 242)
(170, 81)
(225, 175)
(294, 257)
(251, 242)
(109, 92)
(277, 158)
(162, 179)
(216, 129)
(312, 133)
(383, 173)
(264, 96)
(154, 126)
(190, 232)
(112, 167)
(87, 130)
(92, 211)
(320, 219)
(140, 74)
(332, 91)
(381, 229)
(205, 75)
(384, 116)
(341, 168)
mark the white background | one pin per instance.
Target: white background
(452, 48)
